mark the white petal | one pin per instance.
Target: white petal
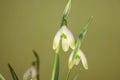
(83, 59)
(72, 43)
(69, 36)
(30, 73)
(34, 72)
(65, 44)
(56, 40)
(71, 56)
(70, 62)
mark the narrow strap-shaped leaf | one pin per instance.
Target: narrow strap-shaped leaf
(13, 72)
(55, 73)
(1, 77)
(83, 32)
(38, 62)
(81, 36)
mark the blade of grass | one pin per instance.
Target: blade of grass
(13, 72)
(38, 62)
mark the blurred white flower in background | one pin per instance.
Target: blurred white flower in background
(30, 73)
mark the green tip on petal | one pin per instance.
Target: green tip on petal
(63, 36)
(70, 61)
(54, 45)
(70, 65)
(72, 45)
(86, 66)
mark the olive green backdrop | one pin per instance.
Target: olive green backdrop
(27, 25)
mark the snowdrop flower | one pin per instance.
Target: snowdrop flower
(77, 58)
(31, 73)
(77, 54)
(67, 38)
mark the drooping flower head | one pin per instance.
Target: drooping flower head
(79, 56)
(66, 36)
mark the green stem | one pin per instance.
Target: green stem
(77, 75)
(1, 77)
(68, 73)
(55, 72)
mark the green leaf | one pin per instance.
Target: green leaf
(55, 72)
(83, 32)
(38, 62)
(13, 72)
(81, 36)
(1, 77)
(77, 75)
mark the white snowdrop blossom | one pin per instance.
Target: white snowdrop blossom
(75, 61)
(67, 38)
(31, 73)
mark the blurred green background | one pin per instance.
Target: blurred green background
(27, 25)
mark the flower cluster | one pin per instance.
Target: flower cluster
(67, 38)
